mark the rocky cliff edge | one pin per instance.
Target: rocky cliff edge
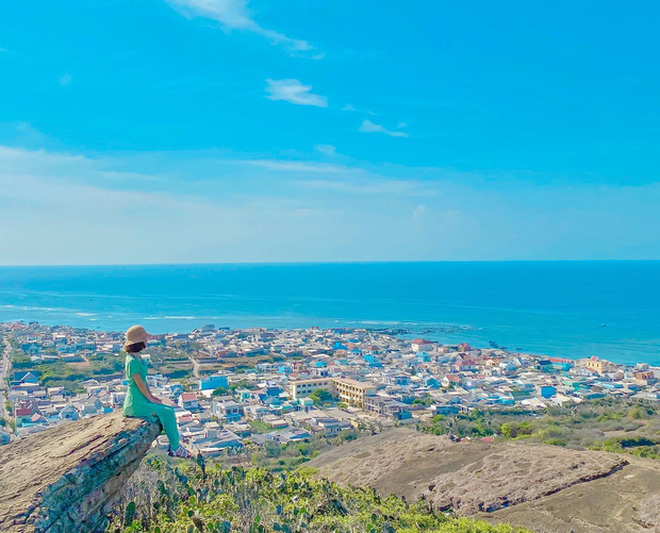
(66, 478)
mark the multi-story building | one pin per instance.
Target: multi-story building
(353, 391)
(304, 387)
(600, 366)
(346, 389)
(228, 410)
(386, 406)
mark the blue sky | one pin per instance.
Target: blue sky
(319, 130)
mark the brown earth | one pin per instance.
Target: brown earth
(545, 488)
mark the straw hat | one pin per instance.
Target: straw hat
(136, 334)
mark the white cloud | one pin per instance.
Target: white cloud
(234, 15)
(294, 92)
(419, 212)
(350, 107)
(371, 185)
(57, 208)
(65, 80)
(296, 166)
(72, 209)
(326, 149)
(27, 135)
(370, 127)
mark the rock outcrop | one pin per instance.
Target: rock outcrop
(545, 488)
(66, 478)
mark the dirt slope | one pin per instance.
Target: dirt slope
(546, 488)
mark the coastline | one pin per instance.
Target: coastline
(443, 333)
(565, 309)
(398, 332)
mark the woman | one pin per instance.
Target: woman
(139, 401)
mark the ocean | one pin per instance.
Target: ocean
(567, 309)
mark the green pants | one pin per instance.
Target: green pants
(165, 415)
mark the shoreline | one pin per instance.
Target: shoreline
(393, 331)
(553, 308)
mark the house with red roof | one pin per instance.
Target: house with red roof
(189, 401)
(451, 379)
(422, 345)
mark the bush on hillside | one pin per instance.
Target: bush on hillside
(181, 499)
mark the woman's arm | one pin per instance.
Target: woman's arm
(144, 389)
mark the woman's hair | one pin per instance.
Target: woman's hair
(135, 348)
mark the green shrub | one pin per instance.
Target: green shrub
(182, 499)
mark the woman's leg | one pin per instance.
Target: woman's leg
(165, 414)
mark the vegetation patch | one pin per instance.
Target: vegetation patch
(183, 498)
(617, 425)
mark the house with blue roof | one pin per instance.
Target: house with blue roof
(213, 382)
(548, 391)
(563, 366)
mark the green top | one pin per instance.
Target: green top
(136, 404)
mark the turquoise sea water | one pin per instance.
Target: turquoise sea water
(572, 309)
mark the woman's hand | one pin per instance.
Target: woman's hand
(156, 400)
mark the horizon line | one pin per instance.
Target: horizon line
(302, 263)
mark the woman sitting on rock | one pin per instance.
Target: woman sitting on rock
(139, 401)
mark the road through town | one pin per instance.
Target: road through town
(5, 363)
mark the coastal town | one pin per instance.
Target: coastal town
(231, 387)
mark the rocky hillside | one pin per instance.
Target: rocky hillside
(547, 488)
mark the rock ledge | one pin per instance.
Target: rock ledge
(66, 478)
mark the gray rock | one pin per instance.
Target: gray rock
(67, 478)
